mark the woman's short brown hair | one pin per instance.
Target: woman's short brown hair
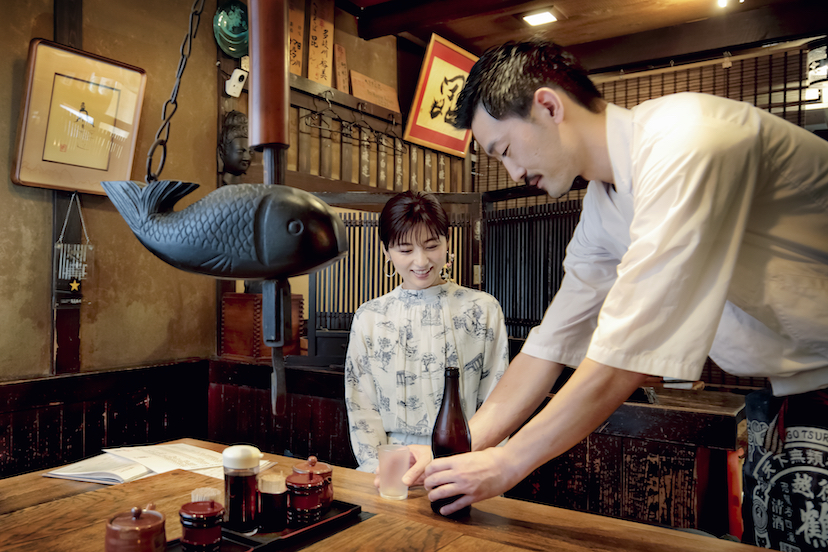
(406, 211)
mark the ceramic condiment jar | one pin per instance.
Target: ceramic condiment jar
(138, 530)
(201, 526)
(325, 472)
(304, 500)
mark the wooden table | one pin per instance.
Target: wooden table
(39, 513)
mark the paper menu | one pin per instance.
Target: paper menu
(178, 456)
(104, 468)
(164, 458)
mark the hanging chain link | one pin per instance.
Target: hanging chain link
(171, 105)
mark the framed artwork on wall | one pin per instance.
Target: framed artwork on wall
(79, 120)
(443, 74)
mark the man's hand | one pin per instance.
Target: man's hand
(592, 393)
(420, 458)
(475, 476)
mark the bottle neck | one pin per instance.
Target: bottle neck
(452, 379)
(451, 387)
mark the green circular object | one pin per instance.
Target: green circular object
(230, 28)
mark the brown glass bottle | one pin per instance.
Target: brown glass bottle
(451, 432)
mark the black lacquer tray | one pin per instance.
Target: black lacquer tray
(340, 516)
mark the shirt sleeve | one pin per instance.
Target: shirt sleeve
(364, 421)
(693, 181)
(590, 271)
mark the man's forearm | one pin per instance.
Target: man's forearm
(519, 392)
(590, 396)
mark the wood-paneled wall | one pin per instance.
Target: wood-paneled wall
(315, 422)
(53, 421)
(664, 464)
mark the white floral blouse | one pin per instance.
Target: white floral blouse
(399, 347)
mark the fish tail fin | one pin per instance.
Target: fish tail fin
(136, 202)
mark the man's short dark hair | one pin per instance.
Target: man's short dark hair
(505, 78)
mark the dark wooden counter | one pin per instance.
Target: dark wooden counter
(663, 464)
(57, 515)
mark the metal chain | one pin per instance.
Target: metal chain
(172, 103)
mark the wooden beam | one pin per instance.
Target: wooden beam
(518, 192)
(68, 23)
(379, 198)
(68, 30)
(311, 95)
(391, 18)
(713, 36)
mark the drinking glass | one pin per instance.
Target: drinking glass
(393, 463)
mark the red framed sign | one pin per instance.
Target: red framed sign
(445, 70)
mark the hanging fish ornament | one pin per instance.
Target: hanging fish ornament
(240, 232)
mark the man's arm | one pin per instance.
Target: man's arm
(519, 392)
(522, 388)
(587, 399)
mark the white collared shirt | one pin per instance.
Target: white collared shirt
(717, 220)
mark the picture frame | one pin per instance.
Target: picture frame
(445, 69)
(79, 119)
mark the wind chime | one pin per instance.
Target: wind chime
(266, 231)
(71, 261)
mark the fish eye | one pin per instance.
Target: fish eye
(295, 227)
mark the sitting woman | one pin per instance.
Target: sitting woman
(401, 343)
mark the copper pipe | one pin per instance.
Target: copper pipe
(269, 73)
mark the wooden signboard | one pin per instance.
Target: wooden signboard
(341, 64)
(296, 17)
(368, 89)
(443, 74)
(320, 42)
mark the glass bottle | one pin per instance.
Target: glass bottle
(272, 501)
(241, 493)
(451, 433)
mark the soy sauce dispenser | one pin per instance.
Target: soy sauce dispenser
(241, 492)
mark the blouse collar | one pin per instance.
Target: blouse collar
(423, 296)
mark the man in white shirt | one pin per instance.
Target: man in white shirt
(704, 231)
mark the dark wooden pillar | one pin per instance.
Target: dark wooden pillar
(68, 30)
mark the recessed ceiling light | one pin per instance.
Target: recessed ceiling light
(722, 3)
(540, 18)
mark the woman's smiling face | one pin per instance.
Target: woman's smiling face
(419, 258)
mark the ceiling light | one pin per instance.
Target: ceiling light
(540, 18)
(722, 3)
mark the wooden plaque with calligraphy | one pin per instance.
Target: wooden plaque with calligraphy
(320, 42)
(341, 64)
(444, 72)
(296, 18)
(373, 91)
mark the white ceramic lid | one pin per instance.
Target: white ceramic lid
(240, 457)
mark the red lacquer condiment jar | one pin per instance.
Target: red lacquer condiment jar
(325, 472)
(201, 526)
(139, 530)
(304, 501)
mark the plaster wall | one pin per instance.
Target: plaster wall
(137, 310)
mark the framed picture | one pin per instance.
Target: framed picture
(79, 120)
(444, 72)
